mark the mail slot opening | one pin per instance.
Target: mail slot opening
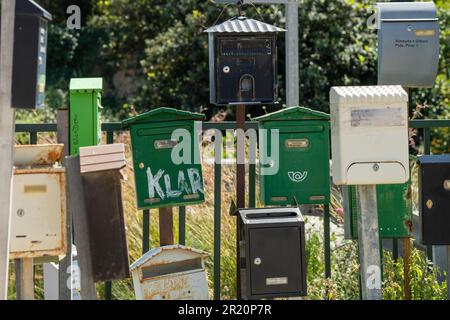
(172, 268)
(271, 215)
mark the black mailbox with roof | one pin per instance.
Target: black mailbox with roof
(30, 55)
(243, 62)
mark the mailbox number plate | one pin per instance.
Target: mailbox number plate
(297, 143)
(389, 117)
(165, 144)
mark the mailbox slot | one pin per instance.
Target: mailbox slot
(193, 265)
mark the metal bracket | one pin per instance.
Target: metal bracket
(233, 209)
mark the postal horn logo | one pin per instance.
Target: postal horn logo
(298, 176)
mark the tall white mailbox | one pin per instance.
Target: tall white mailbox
(38, 217)
(369, 133)
(171, 273)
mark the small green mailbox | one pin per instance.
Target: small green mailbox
(394, 211)
(300, 171)
(166, 158)
(85, 105)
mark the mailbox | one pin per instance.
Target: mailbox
(30, 55)
(272, 253)
(166, 158)
(369, 135)
(85, 105)
(171, 273)
(408, 44)
(101, 178)
(243, 62)
(304, 157)
(394, 211)
(38, 217)
(434, 199)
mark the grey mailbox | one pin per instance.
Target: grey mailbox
(408, 44)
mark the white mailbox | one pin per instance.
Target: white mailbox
(369, 133)
(38, 217)
(171, 273)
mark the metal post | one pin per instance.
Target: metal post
(240, 185)
(182, 226)
(65, 264)
(146, 232)
(292, 55)
(406, 261)
(448, 272)
(327, 241)
(7, 120)
(369, 245)
(24, 270)
(166, 227)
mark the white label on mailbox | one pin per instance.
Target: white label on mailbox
(389, 117)
(276, 281)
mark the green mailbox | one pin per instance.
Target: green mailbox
(394, 211)
(297, 163)
(85, 105)
(166, 158)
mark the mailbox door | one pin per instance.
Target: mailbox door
(304, 165)
(38, 219)
(84, 120)
(275, 261)
(394, 211)
(246, 69)
(159, 181)
(406, 44)
(435, 203)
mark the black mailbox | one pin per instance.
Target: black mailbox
(272, 253)
(434, 199)
(243, 62)
(30, 55)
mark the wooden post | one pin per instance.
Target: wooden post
(166, 236)
(406, 262)
(77, 207)
(369, 244)
(7, 122)
(240, 185)
(24, 270)
(65, 264)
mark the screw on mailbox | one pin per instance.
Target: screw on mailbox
(429, 204)
(376, 167)
(258, 261)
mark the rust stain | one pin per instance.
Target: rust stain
(409, 225)
(167, 289)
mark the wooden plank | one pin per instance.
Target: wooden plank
(102, 158)
(166, 227)
(7, 119)
(24, 270)
(81, 226)
(65, 264)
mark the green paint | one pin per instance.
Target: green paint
(85, 104)
(160, 182)
(304, 159)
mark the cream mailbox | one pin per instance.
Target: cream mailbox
(171, 273)
(38, 217)
(369, 133)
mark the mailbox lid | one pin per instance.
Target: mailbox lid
(43, 155)
(31, 8)
(434, 199)
(161, 115)
(407, 11)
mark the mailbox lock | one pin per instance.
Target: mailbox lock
(226, 69)
(258, 261)
(376, 167)
(21, 213)
(410, 28)
(429, 204)
(447, 185)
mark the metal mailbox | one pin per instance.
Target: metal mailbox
(272, 253)
(30, 55)
(243, 62)
(171, 273)
(434, 199)
(101, 178)
(38, 217)
(408, 44)
(166, 158)
(369, 135)
(85, 106)
(394, 211)
(304, 157)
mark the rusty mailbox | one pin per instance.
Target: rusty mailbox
(38, 217)
(101, 178)
(171, 273)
